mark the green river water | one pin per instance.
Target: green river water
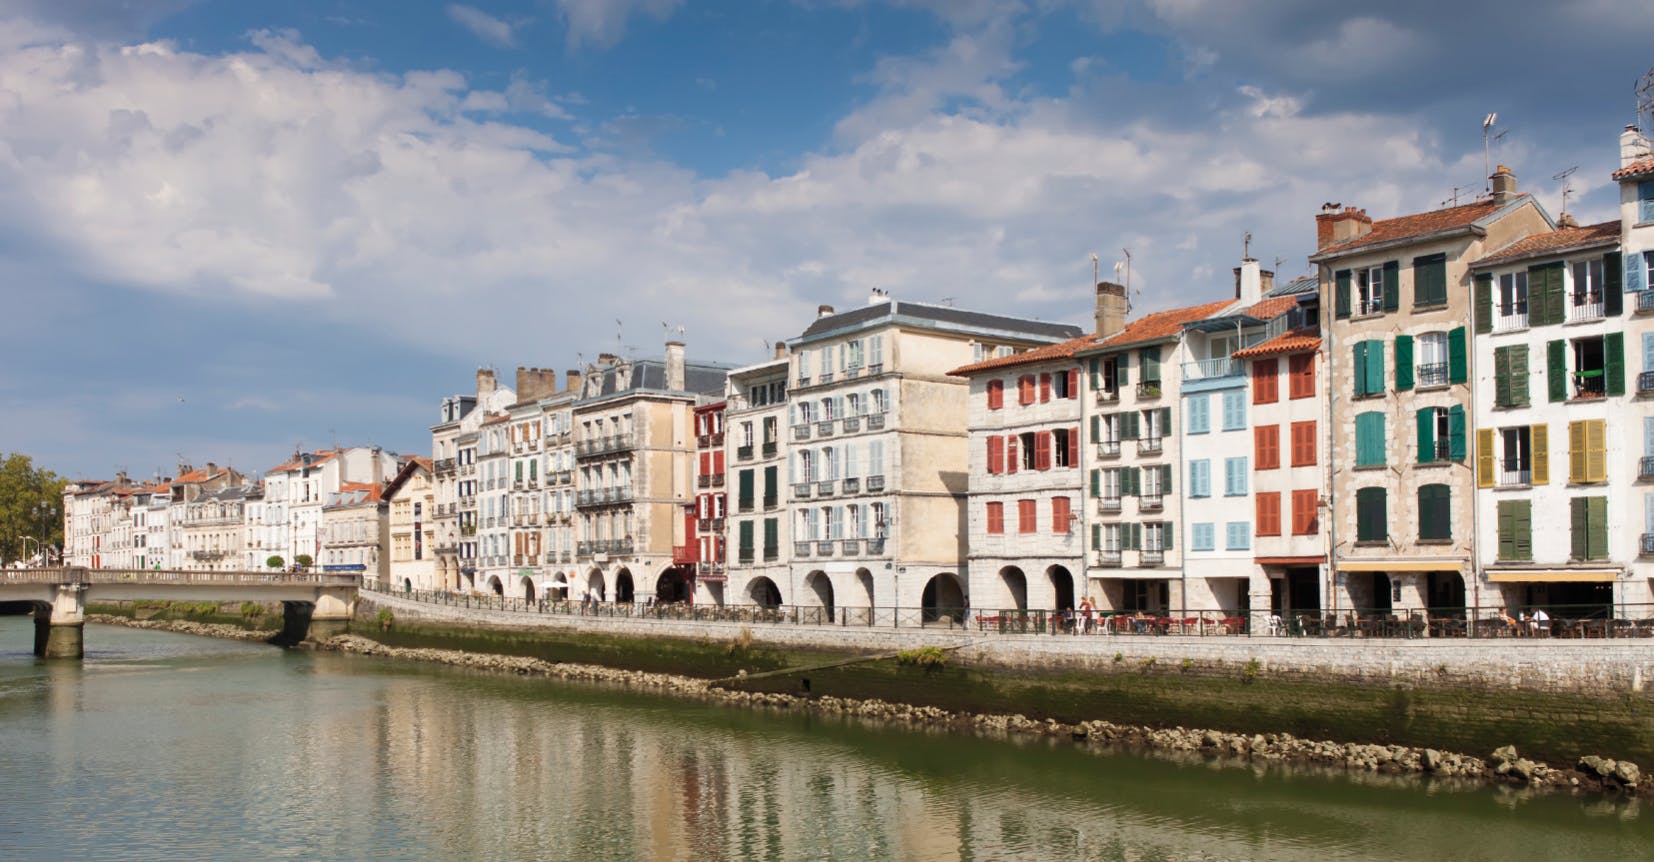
(162, 746)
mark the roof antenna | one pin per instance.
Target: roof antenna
(1126, 264)
(1567, 188)
(1246, 246)
(1487, 157)
(1094, 276)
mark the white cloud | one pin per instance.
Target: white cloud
(602, 23)
(483, 25)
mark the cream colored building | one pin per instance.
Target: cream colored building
(355, 531)
(215, 530)
(411, 496)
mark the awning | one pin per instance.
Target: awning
(1134, 575)
(1553, 576)
(1402, 566)
(1289, 561)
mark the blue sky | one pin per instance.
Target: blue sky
(230, 228)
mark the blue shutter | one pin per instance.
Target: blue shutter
(1648, 351)
(1645, 201)
(1199, 414)
(1648, 436)
(1234, 410)
(1648, 513)
(1634, 271)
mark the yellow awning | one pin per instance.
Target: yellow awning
(1401, 566)
(1567, 576)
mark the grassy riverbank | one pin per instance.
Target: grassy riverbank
(251, 616)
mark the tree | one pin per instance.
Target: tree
(23, 487)
(275, 561)
(303, 560)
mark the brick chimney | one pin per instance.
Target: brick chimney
(1504, 185)
(607, 359)
(1566, 220)
(485, 383)
(535, 383)
(1336, 225)
(674, 366)
(781, 350)
(1111, 308)
(571, 380)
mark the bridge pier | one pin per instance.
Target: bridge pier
(60, 626)
(317, 621)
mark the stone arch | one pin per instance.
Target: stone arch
(494, 585)
(943, 599)
(764, 593)
(818, 593)
(407, 585)
(675, 583)
(1016, 587)
(558, 589)
(528, 588)
(625, 592)
(1062, 588)
(595, 586)
(865, 579)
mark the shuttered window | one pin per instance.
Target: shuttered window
(1265, 380)
(1435, 512)
(1027, 516)
(1588, 518)
(1202, 537)
(1200, 413)
(1149, 358)
(996, 394)
(772, 538)
(745, 495)
(996, 517)
(1237, 536)
(1341, 293)
(1234, 477)
(1369, 439)
(1369, 367)
(1515, 529)
(1269, 513)
(1234, 410)
(1060, 509)
(1301, 374)
(1266, 446)
(1303, 443)
(1485, 456)
(1545, 294)
(1483, 301)
(1025, 389)
(1430, 280)
(1305, 520)
(1371, 517)
(1587, 451)
(1200, 478)
(1510, 376)
(744, 542)
(996, 454)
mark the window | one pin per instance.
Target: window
(996, 454)
(1432, 359)
(1370, 290)
(1266, 446)
(1515, 457)
(1269, 513)
(1199, 410)
(1436, 433)
(1265, 379)
(1510, 376)
(1200, 478)
(1202, 537)
(1237, 536)
(1301, 375)
(1034, 455)
(1430, 280)
(1435, 513)
(1234, 477)
(1305, 521)
(1062, 384)
(1645, 201)
(1060, 520)
(1371, 517)
(1025, 389)
(1234, 410)
(1587, 451)
(1369, 439)
(1303, 443)
(1515, 529)
(996, 394)
(1157, 537)
(1512, 309)
(1589, 523)
(1369, 367)
(745, 497)
(1065, 447)
(1044, 387)
(1027, 516)
(1111, 487)
(1149, 359)
(996, 518)
(772, 538)
(1585, 297)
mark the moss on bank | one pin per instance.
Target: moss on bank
(252, 616)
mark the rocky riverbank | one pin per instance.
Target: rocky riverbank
(185, 627)
(1504, 766)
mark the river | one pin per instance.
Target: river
(165, 746)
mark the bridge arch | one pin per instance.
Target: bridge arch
(625, 591)
(818, 593)
(675, 583)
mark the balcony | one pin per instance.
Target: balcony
(1585, 307)
(771, 501)
(768, 450)
(852, 424)
(443, 466)
(824, 489)
(743, 453)
(1151, 557)
(703, 481)
(801, 432)
(852, 485)
(824, 429)
(824, 548)
(1589, 385)
(875, 547)
(1439, 453)
(1108, 505)
(1645, 468)
(1108, 396)
(802, 490)
(1148, 389)
(875, 484)
(1369, 305)
(517, 484)
(1432, 374)
(1108, 449)
(874, 368)
(826, 377)
(1510, 317)
(595, 446)
(1645, 548)
(717, 480)
(875, 422)
(851, 547)
(1150, 445)
(803, 380)
(1151, 501)
(1645, 301)
(1109, 559)
(1206, 369)
(1645, 383)
(801, 549)
(711, 441)
(771, 553)
(1515, 473)
(682, 554)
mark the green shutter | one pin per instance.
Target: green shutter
(1517, 371)
(1556, 368)
(1430, 280)
(1136, 536)
(1128, 425)
(1596, 532)
(1502, 377)
(1613, 294)
(1522, 524)
(1536, 296)
(1484, 303)
(746, 490)
(1093, 366)
(1555, 299)
(1166, 479)
(1150, 361)
(1392, 285)
(1404, 363)
(1579, 522)
(1096, 537)
(1457, 362)
(1166, 428)
(772, 535)
(1455, 432)
(1096, 428)
(1375, 366)
(1166, 536)
(1341, 294)
(1122, 367)
(1613, 361)
(1507, 529)
(1426, 418)
(1096, 483)
(1360, 376)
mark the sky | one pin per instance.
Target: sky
(233, 228)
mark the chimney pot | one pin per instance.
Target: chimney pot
(1504, 185)
(571, 380)
(780, 350)
(674, 366)
(1111, 308)
(823, 311)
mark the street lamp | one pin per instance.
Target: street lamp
(26, 541)
(44, 513)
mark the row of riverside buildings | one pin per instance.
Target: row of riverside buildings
(1454, 412)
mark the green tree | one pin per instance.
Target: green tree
(303, 560)
(23, 487)
(275, 561)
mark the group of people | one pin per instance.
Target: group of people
(1525, 624)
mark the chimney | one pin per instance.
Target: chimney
(1504, 185)
(1111, 308)
(781, 350)
(1248, 281)
(1267, 277)
(878, 297)
(823, 311)
(1633, 146)
(674, 366)
(535, 383)
(607, 359)
(211, 469)
(571, 380)
(1567, 220)
(485, 383)
(1336, 225)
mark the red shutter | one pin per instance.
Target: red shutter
(1027, 516)
(1045, 387)
(1042, 450)
(1269, 513)
(996, 517)
(1265, 377)
(996, 394)
(1302, 373)
(996, 455)
(1074, 445)
(717, 461)
(1074, 385)
(1304, 520)
(1059, 515)
(1266, 446)
(1025, 389)
(706, 463)
(1011, 454)
(1303, 443)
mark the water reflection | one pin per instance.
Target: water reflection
(166, 746)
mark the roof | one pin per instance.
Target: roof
(354, 494)
(1635, 169)
(1419, 224)
(1271, 307)
(303, 460)
(650, 374)
(411, 466)
(199, 475)
(1162, 324)
(1555, 242)
(937, 314)
(1305, 284)
(1044, 353)
(1294, 341)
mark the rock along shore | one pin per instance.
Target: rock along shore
(185, 627)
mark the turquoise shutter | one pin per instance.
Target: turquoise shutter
(1096, 483)
(1096, 537)
(1648, 436)
(1392, 286)
(1094, 365)
(1457, 362)
(1456, 432)
(1122, 366)
(1404, 363)
(1648, 351)
(1375, 366)
(1613, 353)
(1360, 376)
(1426, 418)
(1645, 201)
(1556, 369)
(1634, 272)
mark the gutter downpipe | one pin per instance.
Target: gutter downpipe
(1330, 311)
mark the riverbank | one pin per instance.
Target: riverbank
(185, 627)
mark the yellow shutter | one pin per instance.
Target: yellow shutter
(1596, 450)
(1576, 451)
(1539, 441)
(1484, 457)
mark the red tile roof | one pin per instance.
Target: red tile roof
(1634, 169)
(1296, 341)
(1163, 324)
(1555, 241)
(1417, 224)
(1060, 350)
(1271, 307)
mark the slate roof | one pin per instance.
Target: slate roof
(1420, 224)
(1635, 169)
(1060, 350)
(1295, 341)
(1555, 242)
(701, 378)
(1306, 284)
(939, 314)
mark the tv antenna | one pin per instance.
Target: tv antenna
(1488, 138)
(1645, 101)
(1453, 199)
(1567, 188)
(1246, 246)
(1094, 275)
(1126, 265)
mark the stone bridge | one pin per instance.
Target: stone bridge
(314, 605)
